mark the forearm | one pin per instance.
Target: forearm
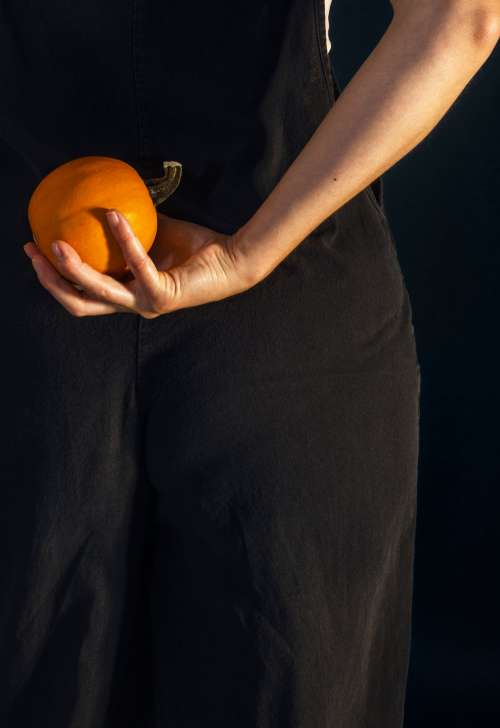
(426, 57)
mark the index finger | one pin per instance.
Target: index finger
(99, 285)
(139, 262)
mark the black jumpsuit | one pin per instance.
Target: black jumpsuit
(207, 518)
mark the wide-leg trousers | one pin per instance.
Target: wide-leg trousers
(208, 518)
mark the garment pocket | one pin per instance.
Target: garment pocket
(376, 201)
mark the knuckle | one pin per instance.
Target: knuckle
(68, 268)
(157, 304)
(47, 283)
(65, 262)
(103, 292)
(140, 262)
(149, 314)
(76, 309)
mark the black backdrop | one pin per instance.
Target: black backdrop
(442, 200)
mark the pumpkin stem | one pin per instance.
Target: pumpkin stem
(162, 187)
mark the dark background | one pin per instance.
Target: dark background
(442, 201)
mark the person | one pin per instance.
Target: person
(208, 506)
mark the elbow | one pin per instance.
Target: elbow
(479, 19)
(485, 22)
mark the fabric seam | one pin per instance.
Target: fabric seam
(138, 343)
(322, 50)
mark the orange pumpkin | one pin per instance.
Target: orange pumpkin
(71, 201)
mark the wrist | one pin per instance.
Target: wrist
(253, 255)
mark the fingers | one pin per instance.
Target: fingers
(139, 262)
(97, 285)
(143, 294)
(76, 302)
(215, 271)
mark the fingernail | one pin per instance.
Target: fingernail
(27, 250)
(57, 250)
(113, 217)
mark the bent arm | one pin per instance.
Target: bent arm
(428, 54)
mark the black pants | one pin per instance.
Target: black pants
(208, 518)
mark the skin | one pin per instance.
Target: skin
(428, 54)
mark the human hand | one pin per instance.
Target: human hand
(188, 265)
